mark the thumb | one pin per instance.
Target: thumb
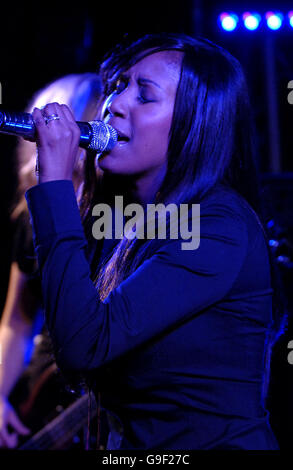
(17, 424)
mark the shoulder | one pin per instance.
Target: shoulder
(225, 204)
(225, 210)
(227, 199)
(224, 224)
(217, 224)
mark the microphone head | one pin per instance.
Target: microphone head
(104, 137)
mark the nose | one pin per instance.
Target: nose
(117, 104)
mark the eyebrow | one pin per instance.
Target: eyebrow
(147, 80)
(142, 80)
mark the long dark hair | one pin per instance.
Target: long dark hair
(211, 140)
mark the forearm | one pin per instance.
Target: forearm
(14, 342)
(15, 328)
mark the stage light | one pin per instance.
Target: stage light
(251, 20)
(290, 16)
(274, 20)
(228, 21)
(270, 223)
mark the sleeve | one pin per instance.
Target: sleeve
(168, 288)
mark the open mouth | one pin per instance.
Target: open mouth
(122, 139)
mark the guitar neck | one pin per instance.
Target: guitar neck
(61, 429)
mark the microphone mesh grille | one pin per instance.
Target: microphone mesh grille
(104, 136)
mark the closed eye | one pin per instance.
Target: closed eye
(143, 95)
(143, 100)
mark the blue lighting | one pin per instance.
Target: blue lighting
(251, 20)
(274, 20)
(228, 21)
(270, 223)
(273, 243)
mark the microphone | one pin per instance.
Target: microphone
(94, 135)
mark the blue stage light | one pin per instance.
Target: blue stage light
(228, 21)
(290, 16)
(274, 20)
(251, 20)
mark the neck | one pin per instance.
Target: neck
(141, 189)
(145, 187)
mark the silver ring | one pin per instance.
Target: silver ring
(52, 117)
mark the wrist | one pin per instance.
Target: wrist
(46, 179)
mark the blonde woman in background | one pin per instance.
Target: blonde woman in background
(81, 93)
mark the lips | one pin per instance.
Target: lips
(122, 138)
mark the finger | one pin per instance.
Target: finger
(41, 126)
(66, 111)
(17, 424)
(48, 132)
(49, 110)
(68, 119)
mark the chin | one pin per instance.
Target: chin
(110, 165)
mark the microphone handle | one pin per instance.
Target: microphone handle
(22, 124)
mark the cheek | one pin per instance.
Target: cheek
(154, 136)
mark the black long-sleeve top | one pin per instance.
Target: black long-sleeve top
(178, 349)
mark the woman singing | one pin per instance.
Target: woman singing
(173, 340)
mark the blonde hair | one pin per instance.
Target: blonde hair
(81, 93)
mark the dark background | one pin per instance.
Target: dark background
(41, 43)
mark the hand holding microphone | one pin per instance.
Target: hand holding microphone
(58, 137)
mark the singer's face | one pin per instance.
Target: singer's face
(141, 110)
